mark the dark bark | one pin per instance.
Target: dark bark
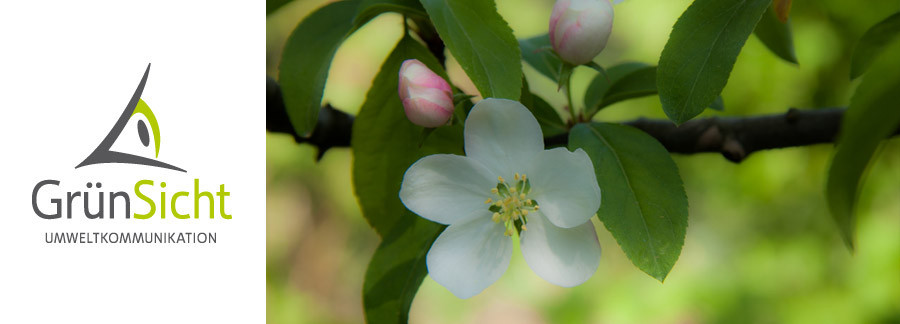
(333, 129)
(733, 137)
(425, 29)
(737, 137)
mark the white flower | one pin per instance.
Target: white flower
(506, 179)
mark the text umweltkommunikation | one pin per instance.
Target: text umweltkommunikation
(130, 237)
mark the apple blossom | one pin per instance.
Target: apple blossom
(579, 29)
(548, 203)
(427, 97)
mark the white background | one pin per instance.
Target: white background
(67, 69)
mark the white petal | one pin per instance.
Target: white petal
(469, 256)
(565, 187)
(446, 188)
(563, 256)
(503, 135)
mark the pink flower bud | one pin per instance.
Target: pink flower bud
(427, 98)
(579, 29)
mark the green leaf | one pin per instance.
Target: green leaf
(482, 43)
(309, 50)
(636, 84)
(273, 5)
(527, 97)
(463, 104)
(718, 104)
(385, 142)
(397, 269)
(537, 53)
(626, 81)
(600, 84)
(306, 59)
(547, 117)
(701, 51)
(369, 9)
(596, 67)
(874, 114)
(776, 35)
(384, 145)
(872, 44)
(643, 204)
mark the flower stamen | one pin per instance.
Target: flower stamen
(512, 205)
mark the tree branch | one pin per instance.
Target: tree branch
(426, 31)
(737, 137)
(733, 137)
(333, 128)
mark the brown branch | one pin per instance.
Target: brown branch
(333, 128)
(426, 31)
(737, 137)
(733, 137)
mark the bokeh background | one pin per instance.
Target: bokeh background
(760, 247)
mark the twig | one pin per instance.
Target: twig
(734, 137)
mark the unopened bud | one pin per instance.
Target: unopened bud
(579, 29)
(427, 97)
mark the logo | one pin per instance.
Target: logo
(103, 152)
(180, 199)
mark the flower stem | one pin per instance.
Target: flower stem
(571, 107)
(405, 26)
(567, 82)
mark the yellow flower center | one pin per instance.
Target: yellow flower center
(510, 204)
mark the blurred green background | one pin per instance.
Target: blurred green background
(760, 247)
